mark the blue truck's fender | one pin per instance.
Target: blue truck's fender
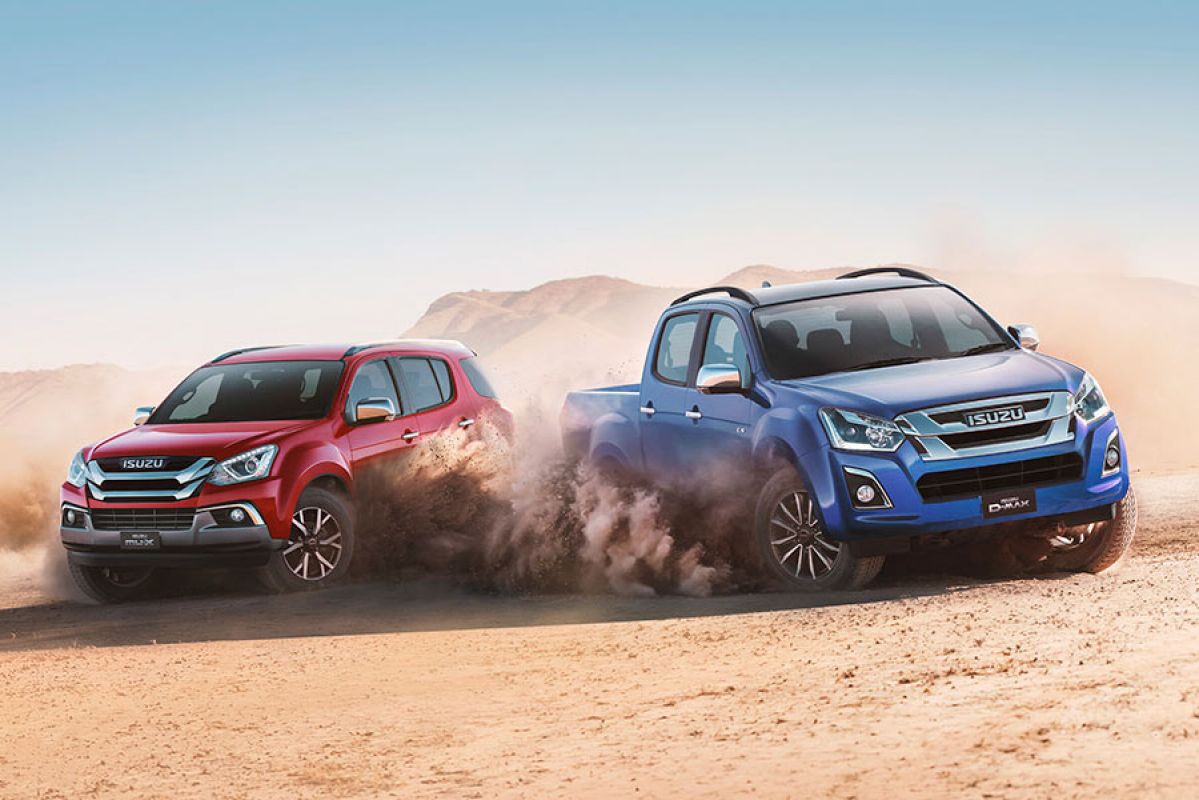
(615, 437)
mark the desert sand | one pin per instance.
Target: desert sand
(930, 684)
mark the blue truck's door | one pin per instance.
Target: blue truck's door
(721, 422)
(664, 394)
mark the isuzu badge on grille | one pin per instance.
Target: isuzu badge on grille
(994, 416)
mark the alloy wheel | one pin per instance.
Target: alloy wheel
(315, 547)
(797, 538)
(1072, 538)
(126, 578)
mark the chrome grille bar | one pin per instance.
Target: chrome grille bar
(1045, 418)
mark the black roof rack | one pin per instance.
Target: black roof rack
(358, 348)
(903, 271)
(731, 291)
(241, 350)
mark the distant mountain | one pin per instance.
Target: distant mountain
(1138, 335)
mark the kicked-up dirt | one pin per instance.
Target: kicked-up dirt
(927, 685)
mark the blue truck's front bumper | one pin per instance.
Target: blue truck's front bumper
(911, 514)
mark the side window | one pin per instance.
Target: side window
(673, 358)
(477, 378)
(445, 383)
(726, 346)
(373, 379)
(421, 383)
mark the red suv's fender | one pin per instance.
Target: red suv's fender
(303, 464)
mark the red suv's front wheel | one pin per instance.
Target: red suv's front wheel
(321, 545)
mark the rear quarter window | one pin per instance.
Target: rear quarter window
(477, 377)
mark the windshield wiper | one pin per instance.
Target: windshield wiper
(990, 347)
(888, 362)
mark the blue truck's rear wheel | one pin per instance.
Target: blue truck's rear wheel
(792, 546)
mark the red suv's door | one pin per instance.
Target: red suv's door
(374, 380)
(430, 389)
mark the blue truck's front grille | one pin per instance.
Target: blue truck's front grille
(963, 430)
(960, 483)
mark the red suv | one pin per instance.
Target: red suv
(251, 462)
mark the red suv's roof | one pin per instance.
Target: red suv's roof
(336, 352)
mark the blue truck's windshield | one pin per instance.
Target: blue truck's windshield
(872, 329)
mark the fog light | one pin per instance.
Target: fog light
(71, 516)
(237, 515)
(1112, 458)
(865, 494)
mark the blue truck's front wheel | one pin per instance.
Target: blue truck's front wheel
(792, 546)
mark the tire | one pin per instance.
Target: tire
(1013, 555)
(791, 547)
(1103, 545)
(114, 584)
(321, 546)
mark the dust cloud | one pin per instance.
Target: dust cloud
(520, 517)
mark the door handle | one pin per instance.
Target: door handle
(410, 435)
(694, 413)
(466, 423)
(648, 410)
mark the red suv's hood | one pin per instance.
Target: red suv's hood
(215, 440)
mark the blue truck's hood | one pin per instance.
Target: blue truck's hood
(894, 390)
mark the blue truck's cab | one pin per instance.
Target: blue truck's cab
(901, 407)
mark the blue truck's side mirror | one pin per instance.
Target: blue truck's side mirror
(719, 379)
(1026, 335)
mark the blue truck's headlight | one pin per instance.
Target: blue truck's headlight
(249, 466)
(849, 430)
(77, 472)
(1089, 402)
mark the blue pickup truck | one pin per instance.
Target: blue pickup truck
(878, 413)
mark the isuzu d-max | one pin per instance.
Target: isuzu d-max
(252, 461)
(878, 412)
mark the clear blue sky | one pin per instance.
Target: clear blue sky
(176, 177)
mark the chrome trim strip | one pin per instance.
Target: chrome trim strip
(249, 508)
(163, 494)
(921, 424)
(200, 467)
(861, 473)
(1105, 472)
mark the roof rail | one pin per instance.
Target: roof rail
(732, 291)
(358, 348)
(241, 350)
(903, 271)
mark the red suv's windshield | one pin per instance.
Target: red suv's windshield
(271, 390)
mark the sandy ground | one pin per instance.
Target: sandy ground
(926, 686)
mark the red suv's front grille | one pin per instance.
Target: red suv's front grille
(142, 519)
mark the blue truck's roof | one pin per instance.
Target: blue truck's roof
(773, 295)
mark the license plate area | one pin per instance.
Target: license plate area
(141, 540)
(1009, 503)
